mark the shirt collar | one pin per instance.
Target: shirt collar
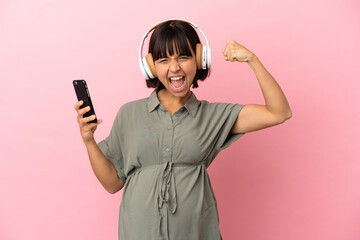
(191, 105)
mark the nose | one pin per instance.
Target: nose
(174, 66)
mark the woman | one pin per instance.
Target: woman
(160, 147)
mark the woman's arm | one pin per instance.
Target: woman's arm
(104, 170)
(254, 117)
(275, 100)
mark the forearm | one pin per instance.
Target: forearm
(275, 99)
(104, 170)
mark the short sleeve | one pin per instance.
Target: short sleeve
(111, 148)
(226, 114)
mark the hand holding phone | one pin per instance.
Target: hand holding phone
(86, 114)
(82, 93)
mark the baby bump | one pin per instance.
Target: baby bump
(140, 193)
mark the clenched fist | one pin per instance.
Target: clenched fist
(233, 51)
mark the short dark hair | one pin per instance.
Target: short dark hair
(163, 39)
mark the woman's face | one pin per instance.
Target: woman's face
(176, 73)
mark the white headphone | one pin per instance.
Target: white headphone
(203, 54)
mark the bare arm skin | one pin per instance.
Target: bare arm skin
(103, 169)
(253, 117)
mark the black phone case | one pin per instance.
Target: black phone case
(82, 93)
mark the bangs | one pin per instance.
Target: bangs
(169, 41)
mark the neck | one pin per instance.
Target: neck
(167, 98)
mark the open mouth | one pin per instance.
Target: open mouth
(177, 82)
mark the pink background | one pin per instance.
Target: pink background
(299, 180)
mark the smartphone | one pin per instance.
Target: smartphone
(82, 93)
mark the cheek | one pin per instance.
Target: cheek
(160, 72)
(191, 69)
(193, 72)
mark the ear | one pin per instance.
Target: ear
(199, 51)
(151, 64)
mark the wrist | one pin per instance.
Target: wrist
(89, 141)
(253, 61)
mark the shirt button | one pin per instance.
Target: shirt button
(167, 149)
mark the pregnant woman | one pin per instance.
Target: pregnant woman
(160, 147)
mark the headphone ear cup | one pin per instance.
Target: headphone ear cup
(199, 55)
(146, 64)
(151, 65)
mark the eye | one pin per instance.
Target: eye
(163, 60)
(184, 57)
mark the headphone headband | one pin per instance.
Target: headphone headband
(142, 62)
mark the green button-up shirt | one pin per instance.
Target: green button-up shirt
(163, 161)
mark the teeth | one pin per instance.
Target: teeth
(176, 78)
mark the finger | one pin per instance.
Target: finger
(225, 48)
(224, 51)
(88, 119)
(83, 122)
(78, 104)
(88, 127)
(228, 53)
(92, 125)
(225, 55)
(234, 55)
(82, 111)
